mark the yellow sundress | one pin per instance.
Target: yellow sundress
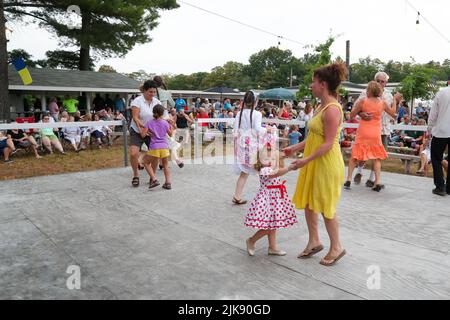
(320, 182)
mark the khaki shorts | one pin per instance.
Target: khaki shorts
(159, 153)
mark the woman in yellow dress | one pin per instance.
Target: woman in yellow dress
(322, 175)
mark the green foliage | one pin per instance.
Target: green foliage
(320, 57)
(106, 69)
(420, 83)
(20, 53)
(140, 76)
(63, 59)
(57, 59)
(110, 28)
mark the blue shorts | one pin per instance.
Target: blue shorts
(3, 145)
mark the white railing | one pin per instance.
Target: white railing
(54, 125)
(41, 125)
(302, 124)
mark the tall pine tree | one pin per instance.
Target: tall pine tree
(109, 28)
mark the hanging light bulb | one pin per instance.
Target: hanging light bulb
(418, 21)
(279, 42)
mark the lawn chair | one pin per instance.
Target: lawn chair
(27, 120)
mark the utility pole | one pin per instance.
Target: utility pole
(4, 105)
(291, 78)
(347, 58)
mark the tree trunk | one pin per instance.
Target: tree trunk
(5, 114)
(84, 63)
(84, 58)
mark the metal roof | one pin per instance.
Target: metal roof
(72, 80)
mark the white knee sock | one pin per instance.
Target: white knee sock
(360, 169)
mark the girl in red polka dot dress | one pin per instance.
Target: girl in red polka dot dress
(271, 209)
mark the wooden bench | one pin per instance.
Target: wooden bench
(407, 159)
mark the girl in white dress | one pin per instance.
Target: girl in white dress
(246, 132)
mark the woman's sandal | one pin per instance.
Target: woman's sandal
(309, 253)
(135, 182)
(167, 186)
(153, 184)
(239, 202)
(332, 259)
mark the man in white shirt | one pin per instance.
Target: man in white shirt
(439, 127)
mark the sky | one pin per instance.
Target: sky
(189, 40)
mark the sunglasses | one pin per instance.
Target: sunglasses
(381, 81)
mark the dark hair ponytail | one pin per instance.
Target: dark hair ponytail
(249, 102)
(160, 82)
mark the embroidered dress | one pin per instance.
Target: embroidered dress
(271, 208)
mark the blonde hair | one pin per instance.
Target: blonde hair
(374, 89)
(259, 165)
(421, 122)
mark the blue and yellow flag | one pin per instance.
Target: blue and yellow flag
(24, 74)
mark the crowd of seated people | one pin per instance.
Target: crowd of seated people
(46, 140)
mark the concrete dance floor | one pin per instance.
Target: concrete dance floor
(189, 243)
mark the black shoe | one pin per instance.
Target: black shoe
(181, 165)
(13, 152)
(347, 185)
(370, 184)
(160, 167)
(377, 188)
(8, 161)
(439, 192)
(357, 178)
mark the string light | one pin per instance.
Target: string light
(421, 16)
(244, 24)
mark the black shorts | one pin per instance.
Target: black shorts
(137, 140)
(25, 144)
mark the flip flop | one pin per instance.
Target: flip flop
(333, 260)
(239, 202)
(308, 254)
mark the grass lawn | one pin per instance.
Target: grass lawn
(25, 165)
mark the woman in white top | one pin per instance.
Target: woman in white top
(141, 113)
(247, 130)
(73, 135)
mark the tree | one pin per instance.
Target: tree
(63, 59)
(418, 84)
(365, 70)
(140, 76)
(265, 68)
(321, 57)
(107, 69)
(110, 28)
(229, 75)
(4, 104)
(20, 53)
